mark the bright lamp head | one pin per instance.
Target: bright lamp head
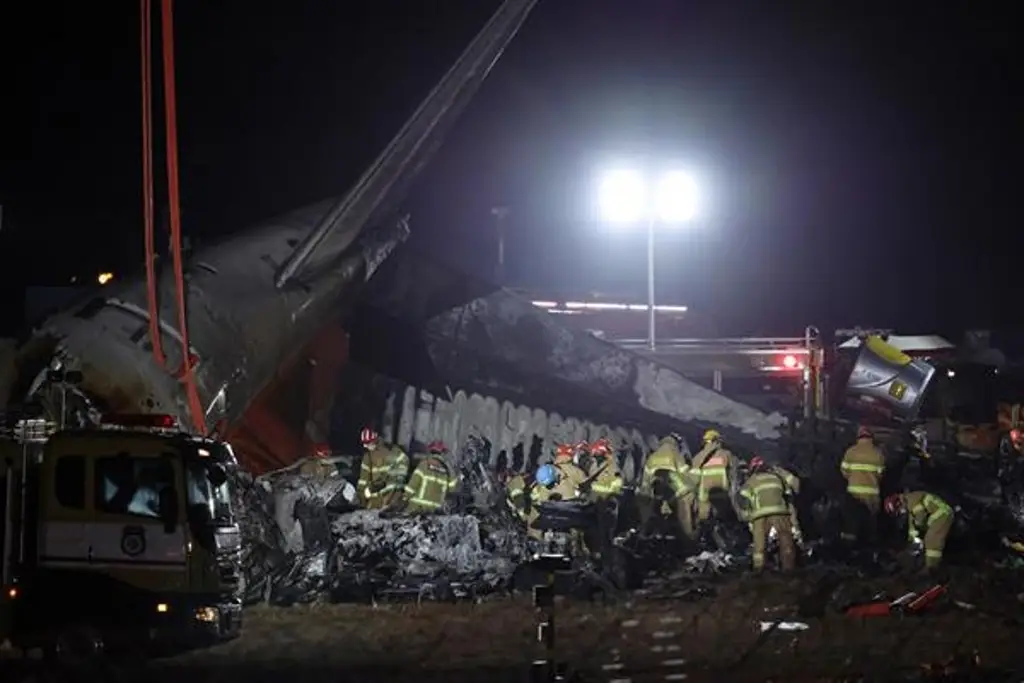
(676, 197)
(622, 197)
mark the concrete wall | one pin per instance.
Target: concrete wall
(522, 436)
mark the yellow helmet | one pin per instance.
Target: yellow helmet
(712, 435)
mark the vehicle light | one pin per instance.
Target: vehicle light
(207, 614)
(12, 592)
(163, 608)
(789, 362)
(142, 420)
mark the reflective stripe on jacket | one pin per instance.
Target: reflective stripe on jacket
(382, 471)
(607, 480)
(515, 495)
(863, 466)
(714, 473)
(667, 458)
(924, 510)
(429, 485)
(766, 493)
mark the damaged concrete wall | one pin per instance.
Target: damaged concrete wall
(475, 332)
(523, 436)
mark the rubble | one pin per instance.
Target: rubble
(709, 562)
(305, 542)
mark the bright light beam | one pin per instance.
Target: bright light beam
(622, 197)
(676, 198)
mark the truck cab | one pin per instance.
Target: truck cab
(125, 531)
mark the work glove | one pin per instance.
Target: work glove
(916, 546)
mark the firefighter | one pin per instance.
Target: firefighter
(431, 481)
(565, 463)
(862, 466)
(763, 503)
(928, 515)
(554, 484)
(382, 473)
(317, 466)
(517, 497)
(666, 471)
(792, 491)
(603, 474)
(716, 465)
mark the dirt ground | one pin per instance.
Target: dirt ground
(973, 633)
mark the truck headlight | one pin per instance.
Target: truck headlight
(207, 615)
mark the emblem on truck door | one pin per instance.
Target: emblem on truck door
(133, 541)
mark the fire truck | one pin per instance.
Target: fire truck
(122, 534)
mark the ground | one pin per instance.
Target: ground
(713, 633)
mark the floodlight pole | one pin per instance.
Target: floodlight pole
(650, 282)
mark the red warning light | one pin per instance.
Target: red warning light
(789, 362)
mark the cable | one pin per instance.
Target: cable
(147, 182)
(170, 106)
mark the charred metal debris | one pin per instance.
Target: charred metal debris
(307, 541)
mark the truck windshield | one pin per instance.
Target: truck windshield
(213, 502)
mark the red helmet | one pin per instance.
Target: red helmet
(757, 462)
(864, 432)
(368, 436)
(565, 451)
(601, 447)
(894, 505)
(321, 450)
(437, 447)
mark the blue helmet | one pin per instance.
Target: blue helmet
(546, 475)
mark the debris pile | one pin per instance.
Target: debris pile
(305, 542)
(709, 562)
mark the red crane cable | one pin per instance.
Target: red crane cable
(170, 106)
(147, 182)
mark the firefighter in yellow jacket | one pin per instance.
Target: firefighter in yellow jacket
(862, 466)
(792, 483)
(565, 456)
(518, 498)
(317, 466)
(603, 474)
(555, 483)
(667, 467)
(382, 473)
(716, 465)
(928, 515)
(431, 481)
(764, 504)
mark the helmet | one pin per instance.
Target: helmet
(368, 436)
(601, 448)
(894, 505)
(864, 432)
(547, 475)
(564, 451)
(437, 447)
(321, 450)
(757, 463)
(712, 435)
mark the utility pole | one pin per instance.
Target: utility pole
(500, 213)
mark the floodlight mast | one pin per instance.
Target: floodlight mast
(625, 196)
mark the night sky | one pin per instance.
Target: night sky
(860, 164)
